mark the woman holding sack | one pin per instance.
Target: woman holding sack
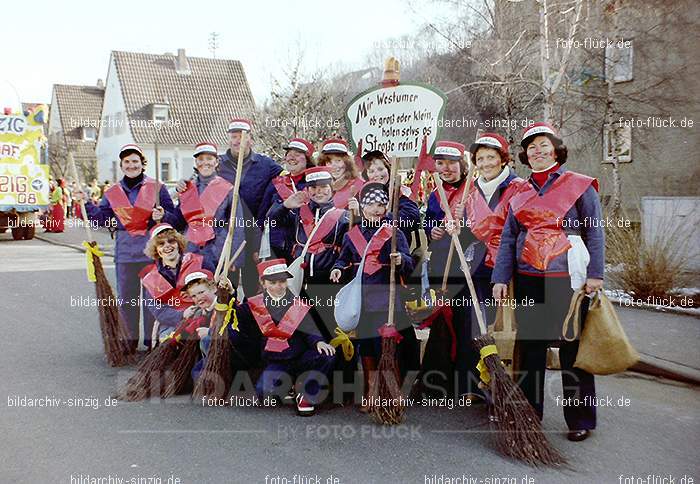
(136, 203)
(552, 244)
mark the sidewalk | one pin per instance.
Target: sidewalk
(667, 342)
(74, 235)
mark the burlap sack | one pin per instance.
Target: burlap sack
(604, 348)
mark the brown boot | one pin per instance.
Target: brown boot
(369, 368)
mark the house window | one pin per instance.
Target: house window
(618, 61)
(165, 169)
(617, 142)
(89, 133)
(160, 113)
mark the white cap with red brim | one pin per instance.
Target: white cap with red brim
(201, 148)
(160, 228)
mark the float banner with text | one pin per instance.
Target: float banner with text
(395, 119)
(23, 180)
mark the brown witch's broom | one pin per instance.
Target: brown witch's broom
(148, 380)
(519, 431)
(386, 406)
(115, 337)
(217, 374)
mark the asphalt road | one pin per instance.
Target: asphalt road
(52, 353)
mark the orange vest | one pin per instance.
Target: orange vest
(487, 224)
(134, 218)
(277, 334)
(543, 217)
(199, 210)
(161, 290)
(376, 243)
(341, 197)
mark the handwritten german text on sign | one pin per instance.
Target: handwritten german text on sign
(395, 119)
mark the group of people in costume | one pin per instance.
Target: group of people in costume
(318, 223)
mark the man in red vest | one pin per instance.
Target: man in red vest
(135, 203)
(291, 345)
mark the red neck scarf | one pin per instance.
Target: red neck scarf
(541, 177)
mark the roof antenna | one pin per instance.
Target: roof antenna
(213, 43)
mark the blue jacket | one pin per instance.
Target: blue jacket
(213, 248)
(258, 172)
(128, 248)
(440, 248)
(288, 221)
(304, 338)
(584, 219)
(166, 315)
(277, 233)
(375, 287)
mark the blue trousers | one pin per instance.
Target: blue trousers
(313, 366)
(132, 300)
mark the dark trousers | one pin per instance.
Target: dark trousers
(132, 301)
(551, 302)
(466, 329)
(313, 366)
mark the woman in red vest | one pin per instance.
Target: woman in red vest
(298, 157)
(205, 210)
(552, 244)
(131, 206)
(164, 280)
(347, 182)
(486, 209)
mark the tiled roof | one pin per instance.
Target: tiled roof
(201, 103)
(79, 106)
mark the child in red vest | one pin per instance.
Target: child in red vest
(291, 344)
(372, 237)
(164, 280)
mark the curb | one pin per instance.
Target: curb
(79, 248)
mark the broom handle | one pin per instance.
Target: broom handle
(463, 263)
(392, 268)
(234, 207)
(235, 256)
(465, 192)
(83, 214)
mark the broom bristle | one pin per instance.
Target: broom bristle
(217, 375)
(178, 377)
(390, 410)
(519, 431)
(115, 337)
(149, 375)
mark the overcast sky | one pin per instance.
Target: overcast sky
(48, 42)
